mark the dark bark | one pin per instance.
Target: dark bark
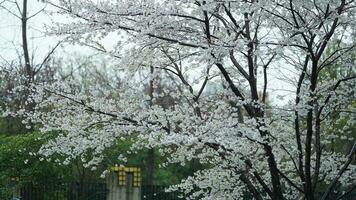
(150, 165)
(296, 122)
(28, 68)
(308, 142)
(255, 193)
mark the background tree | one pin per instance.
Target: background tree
(24, 71)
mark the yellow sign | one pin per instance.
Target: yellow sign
(122, 173)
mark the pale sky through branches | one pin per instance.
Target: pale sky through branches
(40, 43)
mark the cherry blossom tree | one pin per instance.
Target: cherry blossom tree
(219, 56)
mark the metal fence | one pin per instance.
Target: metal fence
(70, 191)
(99, 191)
(87, 191)
(158, 193)
(73, 191)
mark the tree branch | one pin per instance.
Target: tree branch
(342, 170)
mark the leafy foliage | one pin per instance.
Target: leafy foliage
(19, 160)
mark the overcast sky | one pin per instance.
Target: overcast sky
(10, 34)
